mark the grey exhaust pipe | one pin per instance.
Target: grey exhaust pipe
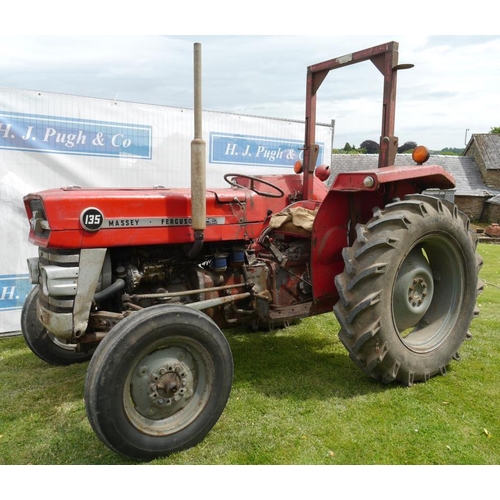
(198, 164)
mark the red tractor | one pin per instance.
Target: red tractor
(141, 281)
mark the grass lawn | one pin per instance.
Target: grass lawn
(297, 399)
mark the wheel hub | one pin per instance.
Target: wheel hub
(417, 292)
(413, 291)
(163, 384)
(168, 385)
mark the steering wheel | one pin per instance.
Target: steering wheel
(278, 194)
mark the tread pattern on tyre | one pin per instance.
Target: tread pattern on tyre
(115, 356)
(360, 310)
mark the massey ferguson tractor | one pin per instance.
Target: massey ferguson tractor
(142, 282)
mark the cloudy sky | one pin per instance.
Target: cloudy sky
(451, 93)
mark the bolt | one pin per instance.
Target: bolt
(368, 182)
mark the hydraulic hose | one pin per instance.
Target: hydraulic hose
(108, 292)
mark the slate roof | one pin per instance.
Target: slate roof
(464, 169)
(488, 146)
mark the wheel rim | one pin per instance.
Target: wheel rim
(61, 344)
(66, 346)
(414, 290)
(168, 386)
(428, 293)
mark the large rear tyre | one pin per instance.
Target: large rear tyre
(158, 382)
(408, 290)
(46, 346)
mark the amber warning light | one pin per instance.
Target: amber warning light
(420, 155)
(297, 168)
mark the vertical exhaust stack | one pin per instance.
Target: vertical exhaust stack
(198, 163)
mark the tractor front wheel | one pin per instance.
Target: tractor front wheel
(42, 343)
(158, 382)
(408, 290)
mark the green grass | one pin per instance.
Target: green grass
(297, 399)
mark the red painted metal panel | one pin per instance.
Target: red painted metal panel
(159, 216)
(433, 176)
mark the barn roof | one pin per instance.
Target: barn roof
(488, 146)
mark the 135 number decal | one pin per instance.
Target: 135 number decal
(91, 219)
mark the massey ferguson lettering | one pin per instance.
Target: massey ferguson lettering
(123, 222)
(176, 222)
(157, 222)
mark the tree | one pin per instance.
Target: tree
(451, 151)
(371, 147)
(495, 130)
(407, 146)
(347, 147)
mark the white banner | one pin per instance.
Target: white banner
(53, 140)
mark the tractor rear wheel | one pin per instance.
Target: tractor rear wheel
(158, 382)
(408, 290)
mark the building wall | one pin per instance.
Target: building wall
(491, 175)
(492, 178)
(472, 206)
(491, 213)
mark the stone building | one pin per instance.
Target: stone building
(485, 149)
